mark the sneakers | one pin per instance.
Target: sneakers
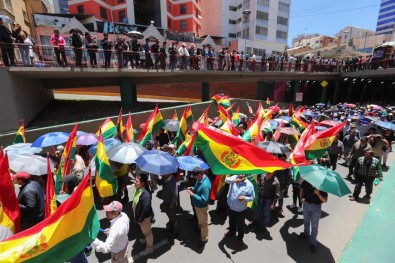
(292, 206)
(300, 210)
(280, 213)
(303, 235)
(146, 252)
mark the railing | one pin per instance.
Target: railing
(23, 55)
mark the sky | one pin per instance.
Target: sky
(327, 17)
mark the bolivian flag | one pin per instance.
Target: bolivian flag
(236, 117)
(20, 136)
(297, 121)
(222, 100)
(218, 186)
(298, 155)
(254, 131)
(228, 154)
(186, 147)
(317, 144)
(105, 180)
(129, 133)
(61, 236)
(108, 129)
(153, 123)
(50, 197)
(182, 130)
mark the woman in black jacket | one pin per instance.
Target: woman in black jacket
(143, 211)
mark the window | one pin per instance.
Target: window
(25, 16)
(232, 22)
(262, 16)
(263, 2)
(246, 33)
(259, 52)
(80, 9)
(122, 15)
(196, 12)
(281, 34)
(232, 35)
(238, 34)
(239, 20)
(183, 25)
(121, 1)
(283, 7)
(261, 31)
(246, 4)
(239, 6)
(169, 22)
(103, 12)
(282, 21)
(232, 8)
(168, 5)
(8, 5)
(183, 9)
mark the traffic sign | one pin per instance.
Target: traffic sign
(324, 83)
(299, 96)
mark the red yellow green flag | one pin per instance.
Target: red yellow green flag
(174, 117)
(65, 160)
(317, 144)
(20, 136)
(189, 115)
(108, 129)
(254, 181)
(182, 130)
(129, 133)
(105, 180)
(291, 110)
(297, 121)
(9, 207)
(50, 197)
(253, 131)
(228, 154)
(298, 155)
(236, 117)
(59, 237)
(153, 123)
(221, 99)
(260, 112)
(204, 117)
(218, 186)
(267, 101)
(120, 127)
(229, 127)
(186, 147)
(223, 114)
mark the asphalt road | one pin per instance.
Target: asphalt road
(339, 219)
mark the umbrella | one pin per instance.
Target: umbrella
(87, 139)
(172, 125)
(22, 148)
(189, 162)
(372, 118)
(324, 179)
(275, 108)
(126, 152)
(320, 128)
(50, 139)
(242, 115)
(288, 130)
(274, 124)
(349, 105)
(286, 118)
(308, 113)
(279, 120)
(374, 107)
(6, 19)
(135, 34)
(386, 125)
(273, 147)
(319, 104)
(321, 117)
(329, 123)
(157, 162)
(108, 144)
(33, 164)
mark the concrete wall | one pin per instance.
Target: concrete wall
(21, 98)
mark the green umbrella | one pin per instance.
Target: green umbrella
(324, 179)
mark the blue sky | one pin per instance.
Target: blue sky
(327, 17)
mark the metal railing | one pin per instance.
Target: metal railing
(23, 55)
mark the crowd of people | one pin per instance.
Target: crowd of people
(363, 145)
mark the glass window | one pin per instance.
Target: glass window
(246, 33)
(122, 15)
(183, 25)
(169, 23)
(232, 22)
(281, 34)
(282, 21)
(103, 12)
(8, 5)
(239, 20)
(283, 7)
(246, 4)
(263, 2)
(262, 16)
(238, 34)
(196, 12)
(261, 30)
(258, 51)
(232, 8)
(80, 9)
(183, 9)
(121, 1)
(232, 35)
(239, 6)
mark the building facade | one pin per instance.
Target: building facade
(61, 6)
(260, 26)
(16, 10)
(184, 16)
(386, 19)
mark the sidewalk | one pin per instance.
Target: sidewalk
(371, 240)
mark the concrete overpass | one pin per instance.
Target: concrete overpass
(27, 90)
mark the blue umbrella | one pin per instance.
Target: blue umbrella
(189, 162)
(108, 144)
(157, 162)
(287, 118)
(22, 148)
(386, 125)
(50, 139)
(320, 128)
(274, 124)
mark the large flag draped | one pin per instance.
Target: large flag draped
(61, 236)
(108, 129)
(317, 144)
(50, 197)
(129, 133)
(222, 100)
(153, 123)
(120, 127)
(298, 155)
(105, 181)
(218, 186)
(65, 160)
(9, 207)
(20, 136)
(227, 154)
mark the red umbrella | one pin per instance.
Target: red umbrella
(328, 123)
(349, 105)
(288, 130)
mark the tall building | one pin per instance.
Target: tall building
(386, 19)
(16, 10)
(184, 16)
(260, 26)
(61, 6)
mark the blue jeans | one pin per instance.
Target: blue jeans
(262, 214)
(311, 215)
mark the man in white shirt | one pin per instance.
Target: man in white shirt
(117, 235)
(184, 55)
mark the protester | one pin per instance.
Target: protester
(200, 195)
(76, 42)
(106, 45)
(117, 235)
(31, 200)
(357, 151)
(285, 178)
(312, 199)
(241, 191)
(7, 50)
(335, 152)
(20, 36)
(91, 44)
(58, 42)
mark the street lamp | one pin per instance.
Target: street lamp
(246, 14)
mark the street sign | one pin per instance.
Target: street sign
(299, 96)
(324, 83)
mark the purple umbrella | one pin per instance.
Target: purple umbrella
(87, 139)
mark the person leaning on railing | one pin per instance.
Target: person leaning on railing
(76, 42)
(106, 45)
(7, 51)
(91, 45)
(58, 42)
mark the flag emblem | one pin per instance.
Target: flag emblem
(231, 159)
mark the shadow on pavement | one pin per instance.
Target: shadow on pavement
(298, 249)
(218, 218)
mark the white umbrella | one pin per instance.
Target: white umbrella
(6, 19)
(172, 125)
(135, 34)
(33, 164)
(126, 152)
(22, 148)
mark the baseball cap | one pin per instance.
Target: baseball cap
(197, 170)
(113, 206)
(60, 148)
(21, 175)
